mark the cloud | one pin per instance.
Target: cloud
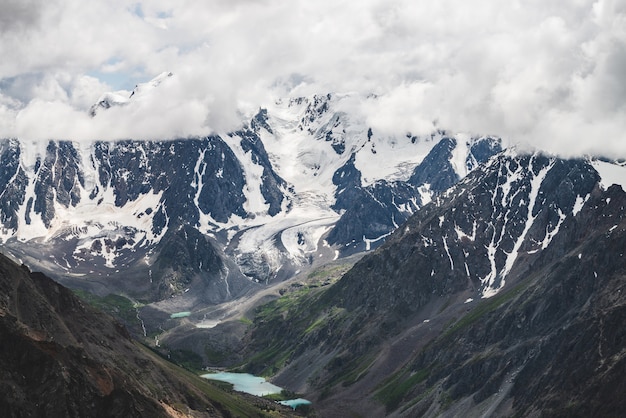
(154, 114)
(18, 15)
(548, 72)
(8, 112)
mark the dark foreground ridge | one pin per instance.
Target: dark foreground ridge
(61, 358)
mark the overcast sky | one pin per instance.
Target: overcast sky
(548, 72)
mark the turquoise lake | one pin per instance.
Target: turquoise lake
(245, 382)
(294, 403)
(254, 385)
(180, 315)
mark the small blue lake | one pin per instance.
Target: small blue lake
(244, 382)
(294, 403)
(254, 385)
(180, 315)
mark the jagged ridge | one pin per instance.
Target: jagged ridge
(292, 188)
(479, 292)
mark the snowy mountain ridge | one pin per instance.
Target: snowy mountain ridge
(303, 182)
(123, 97)
(469, 304)
(266, 196)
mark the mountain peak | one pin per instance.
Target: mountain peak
(142, 88)
(123, 97)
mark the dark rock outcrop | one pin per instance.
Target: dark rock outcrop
(191, 179)
(14, 180)
(372, 212)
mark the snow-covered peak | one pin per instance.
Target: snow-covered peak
(109, 99)
(314, 136)
(143, 88)
(123, 97)
(472, 151)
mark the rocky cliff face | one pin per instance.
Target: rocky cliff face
(116, 206)
(372, 212)
(477, 235)
(494, 299)
(59, 357)
(550, 346)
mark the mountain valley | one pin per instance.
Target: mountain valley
(375, 274)
(427, 328)
(60, 357)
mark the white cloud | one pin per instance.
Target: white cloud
(546, 72)
(8, 113)
(85, 91)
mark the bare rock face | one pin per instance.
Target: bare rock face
(179, 181)
(373, 212)
(475, 235)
